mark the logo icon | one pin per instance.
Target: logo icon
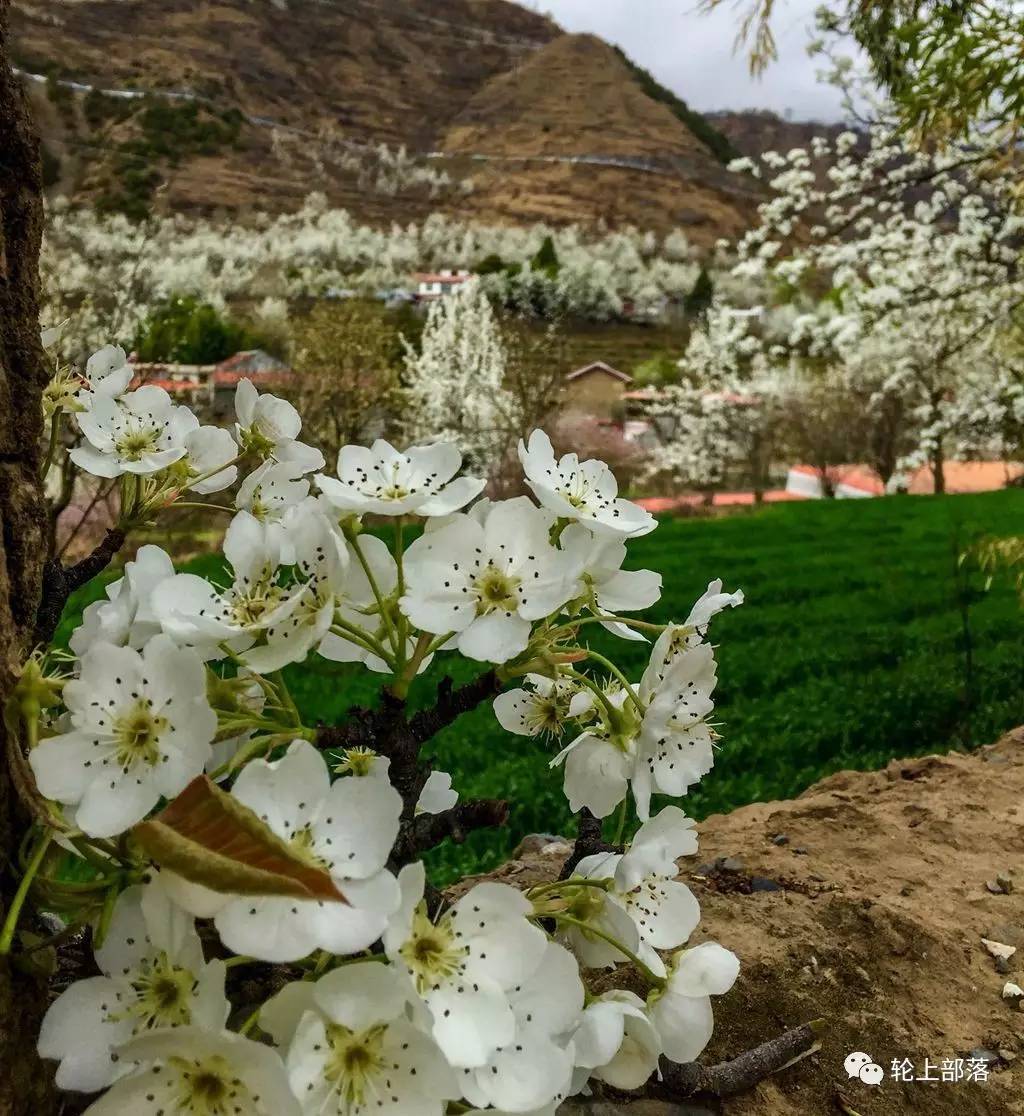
(862, 1066)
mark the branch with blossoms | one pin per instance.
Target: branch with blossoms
(189, 819)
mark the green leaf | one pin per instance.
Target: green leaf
(210, 838)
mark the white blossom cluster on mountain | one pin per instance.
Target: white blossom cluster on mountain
(107, 274)
(193, 821)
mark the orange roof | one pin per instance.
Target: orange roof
(437, 277)
(170, 386)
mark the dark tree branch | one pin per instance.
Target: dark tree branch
(59, 582)
(389, 732)
(427, 831)
(452, 703)
(729, 1079)
(588, 842)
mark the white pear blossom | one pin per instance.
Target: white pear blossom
(126, 617)
(196, 614)
(355, 1050)
(269, 427)
(681, 1011)
(141, 432)
(536, 1067)
(676, 747)
(466, 964)
(677, 638)
(543, 705)
(437, 794)
(347, 827)
(107, 371)
(487, 583)
(322, 560)
(664, 911)
(271, 493)
(154, 977)
(189, 1070)
(604, 585)
(616, 1042)
(386, 481)
(583, 491)
(141, 729)
(207, 465)
(600, 762)
(356, 601)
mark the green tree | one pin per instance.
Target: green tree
(698, 301)
(546, 259)
(188, 331)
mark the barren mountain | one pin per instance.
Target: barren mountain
(394, 108)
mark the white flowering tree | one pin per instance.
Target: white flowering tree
(723, 418)
(455, 383)
(901, 277)
(187, 818)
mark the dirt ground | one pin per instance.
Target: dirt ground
(863, 903)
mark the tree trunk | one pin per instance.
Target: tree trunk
(939, 469)
(25, 1084)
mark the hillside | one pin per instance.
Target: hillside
(754, 131)
(235, 104)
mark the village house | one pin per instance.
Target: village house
(596, 389)
(431, 285)
(210, 388)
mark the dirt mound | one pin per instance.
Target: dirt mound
(863, 902)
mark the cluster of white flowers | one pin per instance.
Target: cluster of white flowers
(390, 999)
(892, 273)
(107, 273)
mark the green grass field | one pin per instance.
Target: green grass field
(849, 651)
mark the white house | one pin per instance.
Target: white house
(437, 284)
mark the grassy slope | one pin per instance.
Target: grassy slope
(848, 652)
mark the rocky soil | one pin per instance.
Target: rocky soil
(864, 903)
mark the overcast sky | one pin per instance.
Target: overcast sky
(693, 54)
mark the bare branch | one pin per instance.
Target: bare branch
(729, 1079)
(59, 582)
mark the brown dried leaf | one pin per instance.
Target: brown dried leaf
(210, 838)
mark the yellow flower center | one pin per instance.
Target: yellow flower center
(496, 591)
(134, 444)
(432, 952)
(163, 996)
(137, 732)
(356, 1059)
(210, 1088)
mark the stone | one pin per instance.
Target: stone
(1014, 994)
(983, 1054)
(762, 883)
(730, 864)
(780, 839)
(999, 949)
